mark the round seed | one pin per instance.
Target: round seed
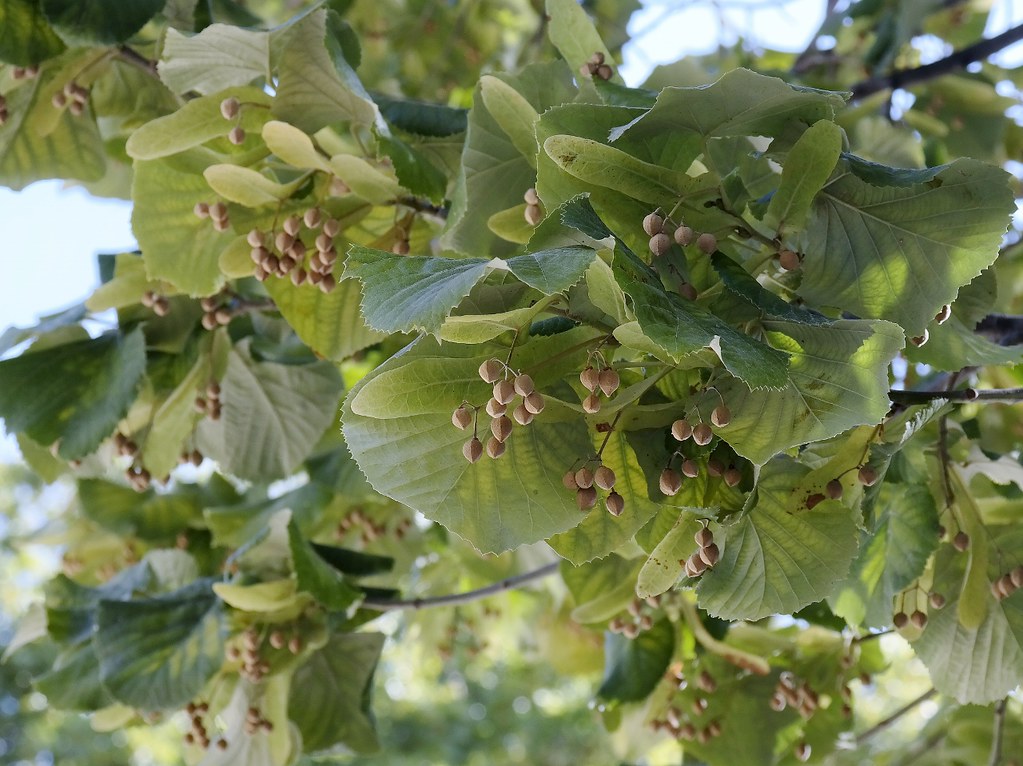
(473, 449)
(533, 214)
(254, 238)
(681, 430)
(1016, 575)
(670, 482)
(491, 370)
(495, 409)
(788, 260)
(327, 285)
(569, 480)
(961, 541)
(690, 468)
(401, 247)
(704, 537)
(721, 416)
(608, 381)
(715, 467)
(236, 136)
(697, 564)
(522, 415)
(586, 498)
(604, 478)
(919, 619)
(461, 418)
(660, 244)
(298, 277)
(604, 72)
(584, 478)
(710, 555)
(534, 403)
(833, 489)
(684, 236)
(591, 404)
(495, 448)
(732, 476)
(292, 225)
(229, 108)
(937, 600)
(615, 503)
(900, 620)
(590, 379)
(504, 391)
(707, 242)
(523, 385)
(332, 227)
(531, 197)
(702, 434)
(867, 476)
(501, 427)
(311, 218)
(201, 210)
(942, 316)
(653, 224)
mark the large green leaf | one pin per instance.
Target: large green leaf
(898, 244)
(838, 378)
(173, 421)
(316, 576)
(100, 22)
(601, 588)
(330, 693)
(75, 393)
(73, 683)
(664, 566)
(71, 608)
(891, 555)
(26, 38)
(400, 414)
(779, 557)
(634, 666)
(806, 169)
(221, 56)
(149, 516)
(158, 653)
(273, 414)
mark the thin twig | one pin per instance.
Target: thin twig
(881, 726)
(996, 735)
(133, 57)
(872, 636)
(465, 597)
(424, 206)
(961, 395)
(902, 78)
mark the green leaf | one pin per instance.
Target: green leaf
(364, 179)
(513, 113)
(891, 555)
(330, 694)
(838, 378)
(601, 588)
(422, 118)
(267, 429)
(75, 393)
(405, 294)
(778, 557)
(317, 577)
(246, 186)
(682, 328)
(195, 123)
(73, 683)
(742, 283)
(663, 568)
(174, 420)
(100, 22)
(633, 667)
(293, 146)
(71, 608)
(807, 168)
(26, 38)
(329, 323)
(150, 516)
(277, 598)
(554, 270)
(400, 414)
(221, 56)
(158, 653)
(414, 170)
(573, 34)
(316, 89)
(353, 563)
(898, 244)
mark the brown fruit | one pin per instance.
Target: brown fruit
(900, 620)
(218, 211)
(681, 430)
(533, 214)
(833, 489)
(660, 244)
(597, 58)
(277, 639)
(236, 136)
(504, 391)
(323, 241)
(59, 100)
(690, 468)
(1016, 575)
(814, 500)
(777, 702)
(604, 478)
(590, 379)
(523, 385)
(867, 476)
(332, 227)
(209, 319)
(937, 600)
(298, 277)
(229, 108)
(670, 482)
(707, 242)
(788, 260)
(604, 72)
(491, 370)
(327, 285)
(803, 751)
(292, 225)
(615, 503)
(918, 618)
(401, 247)
(586, 498)
(961, 541)
(684, 236)
(501, 427)
(569, 480)
(702, 434)
(495, 448)
(591, 404)
(721, 416)
(732, 476)
(311, 218)
(254, 238)
(473, 449)
(534, 403)
(715, 467)
(653, 224)
(687, 291)
(522, 415)
(584, 478)
(608, 381)
(697, 564)
(704, 537)
(461, 418)
(531, 197)
(710, 554)
(495, 409)
(201, 210)
(1006, 584)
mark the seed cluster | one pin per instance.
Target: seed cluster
(356, 520)
(1008, 583)
(585, 483)
(217, 213)
(533, 212)
(210, 403)
(508, 386)
(158, 303)
(199, 733)
(639, 618)
(705, 557)
(598, 380)
(230, 108)
(686, 726)
(283, 253)
(595, 67)
(663, 232)
(255, 721)
(701, 434)
(73, 96)
(194, 457)
(215, 312)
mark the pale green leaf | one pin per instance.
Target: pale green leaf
(221, 56)
(267, 428)
(898, 244)
(778, 557)
(75, 393)
(401, 414)
(364, 179)
(513, 113)
(600, 588)
(664, 567)
(246, 186)
(260, 598)
(479, 328)
(127, 287)
(807, 168)
(158, 653)
(174, 420)
(573, 34)
(293, 146)
(511, 224)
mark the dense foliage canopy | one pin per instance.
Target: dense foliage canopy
(429, 305)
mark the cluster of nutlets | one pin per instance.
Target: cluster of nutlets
(210, 404)
(1008, 583)
(598, 381)
(199, 734)
(125, 446)
(217, 213)
(679, 724)
(229, 109)
(215, 313)
(158, 303)
(701, 434)
(73, 96)
(585, 484)
(638, 620)
(533, 212)
(663, 231)
(705, 557)
(18, 73)
(356, 520)
(792, 692)
(255, 721)
(253, 667)
(595, 67)
(284, 253)
(194, 457)
(508, 385)
(138, 477)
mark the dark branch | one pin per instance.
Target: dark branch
(133, 57)
(1003, 329)
(996, 736)
(467, 596)
(424, 206)
(879, 727)
(903, 78)
(1008, 395)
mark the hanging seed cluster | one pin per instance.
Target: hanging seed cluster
(512, 390)
(284, 253)
(216, 212)
(216, 313)
(209, 404)
(585, 482)
(138, 477)
(158, 303)
(595, 67)
(688, 726)
(358, 522)
(230, 108)
(598, 380)
(194, 457)
(255, 721)
(638, 618)
(253, 666)
(73, 97)
(1008, 583)
(663, 232)
(682, 430)
(706, 555)
(533, 212)
(18, 73)
(797, 694)
(198, 734)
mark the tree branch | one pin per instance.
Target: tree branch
(996, 736)
(1008, 395)
(902, 78)
(133, 57)
(466, 596)
(881, 726)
